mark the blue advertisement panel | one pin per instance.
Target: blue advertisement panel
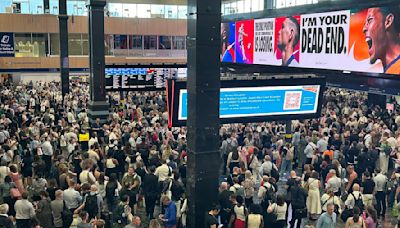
(7, 44)
(244, 102)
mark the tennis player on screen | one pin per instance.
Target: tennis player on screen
(241, 34)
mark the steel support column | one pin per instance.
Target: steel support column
(98, 106)
(64, 60)
(203, 84)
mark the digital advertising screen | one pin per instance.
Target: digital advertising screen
(255, 101)
(363, 40)
(147, 79)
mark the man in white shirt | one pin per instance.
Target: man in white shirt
(47, 150)
(322, 144)
(334, 182)
(352, 197)
(380, 189)
(72, 198)
(309, 150)
(162, 172)
(24, 211)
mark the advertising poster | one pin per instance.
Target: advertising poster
(264, 41)
(324, 40)
(228, 42)
(244, 41)
(287, 40)
(375, 40)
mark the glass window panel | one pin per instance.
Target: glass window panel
(21, 6)
(74, 44)
(247, 6)
(290, 3)
(157, 11)
(85, 44)
(240, 7)
(144, 10)
(23, 45)
(109, 44)
(129, 10)
(40, 44)
(135, 42)
(54, 44)
(120, 42)
(164, 42)
(178, 42)
(36, 6)
(260, 5)
(171, 11)
(150, 42)
(5, 6)
(54, 7)
(280, 4)
(115, 9)
(182, 12)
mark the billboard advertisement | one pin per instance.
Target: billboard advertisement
(228, 42)
(244, 41)
(366, 40)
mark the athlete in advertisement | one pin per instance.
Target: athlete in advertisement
(242, 33)
(382, 34)
(227, 51)
(288, 37)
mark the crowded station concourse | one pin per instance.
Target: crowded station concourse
(340, 170)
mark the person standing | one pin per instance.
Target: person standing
(5, 221)
(44, 213)
(280, 209)
(299, 198)
(24, 211)
(314, 197)
(211, 220)
(380, 195)
(57, 207)
(150, 184)
(328, 218)
(169, 218)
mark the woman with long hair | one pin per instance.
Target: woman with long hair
(238, 219)
(233, 160)
(280, 209)
(356, 221)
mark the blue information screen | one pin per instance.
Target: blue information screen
(261, 101)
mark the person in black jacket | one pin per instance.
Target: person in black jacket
(225, 203)
(299, 199)
(5, 221)
(150, 183)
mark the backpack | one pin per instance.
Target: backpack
(91, 205)
(358, 202)
(117, 215)
(269, 194)
(239, 191)
(230, 147)
(110, 190)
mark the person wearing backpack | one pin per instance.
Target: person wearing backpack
(354, 199)
(236, 188)
(92, 203)
(122, 213)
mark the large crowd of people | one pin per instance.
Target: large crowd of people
(59, 170)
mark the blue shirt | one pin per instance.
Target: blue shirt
(170, 215)
(326, 220)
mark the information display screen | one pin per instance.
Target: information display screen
(125, 79)
(357, 40)
(261, 101)
(255, 101)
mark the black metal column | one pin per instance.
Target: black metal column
(98, 106)
(268, 4)
(46, 4)
(203, 84)
(64, 60)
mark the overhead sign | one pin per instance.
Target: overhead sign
(347, 40)
(7, 44)
(254, 100)
(120, 79)
(261, 101)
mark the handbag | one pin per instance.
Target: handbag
(301, 213)
(15, 194)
